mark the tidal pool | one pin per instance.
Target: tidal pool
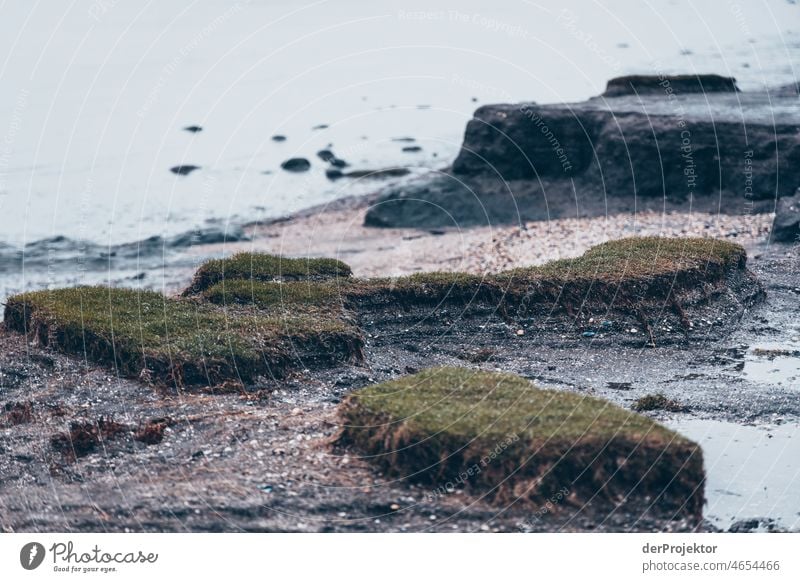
(752, 471)
(774, 363)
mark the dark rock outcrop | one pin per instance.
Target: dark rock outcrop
(207, 236)
(786, 226)
(335, 173)
(534, 162)
(649, 151)
(184, 170)
(327, 155)
(660, 84)
(522, 142)
(296, 165)
(790, 90)
(380, 173)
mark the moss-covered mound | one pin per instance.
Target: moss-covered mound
(624, 273)
(499, 434)
(265, 267)
(176, 341)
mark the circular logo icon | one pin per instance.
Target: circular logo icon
(31, 555)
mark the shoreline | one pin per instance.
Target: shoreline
(337, 231)
(260, 459)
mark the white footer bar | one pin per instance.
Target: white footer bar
(401, 557)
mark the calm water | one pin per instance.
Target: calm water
(751, 472)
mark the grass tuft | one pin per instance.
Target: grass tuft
(265, 267)
(500, 435)
(658, 401)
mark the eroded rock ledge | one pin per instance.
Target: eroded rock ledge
(647, 139)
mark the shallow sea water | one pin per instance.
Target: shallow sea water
(752, 472)
(96, 95)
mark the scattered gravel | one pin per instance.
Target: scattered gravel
(373, 252)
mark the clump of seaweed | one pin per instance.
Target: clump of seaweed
(516, 442)
(15, 413)
(650, 402)
(84, 437)
(152, 432)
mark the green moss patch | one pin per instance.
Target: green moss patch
(274, 295)
(498, 434)
(642, 257)
(177, 341)
(628, 271)
(624, 273)
(265, 267)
